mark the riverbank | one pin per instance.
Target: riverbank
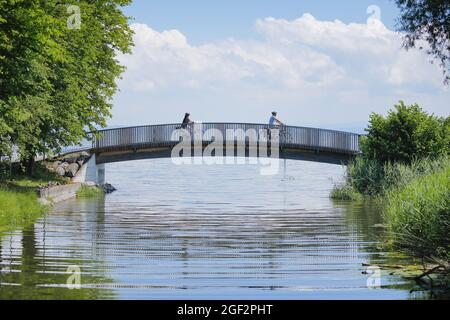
(19, 199)
(418, 214)
(416, 208)
(19, 209)
(23, 198)
(416, 198)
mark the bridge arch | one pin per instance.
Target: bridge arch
(240, 139)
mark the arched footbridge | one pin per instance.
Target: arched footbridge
(215, 140)
(225, 139)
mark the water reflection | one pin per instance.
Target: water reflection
(203, 233)
(34, 261)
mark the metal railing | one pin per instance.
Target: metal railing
(290, 137)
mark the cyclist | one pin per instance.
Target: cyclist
(186, 121)
(274, 123)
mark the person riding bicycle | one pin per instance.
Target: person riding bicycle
(186, 121)
(274, 123)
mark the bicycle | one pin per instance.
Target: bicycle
(195, 130)
(284, 135)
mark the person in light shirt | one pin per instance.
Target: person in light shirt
(274, 121)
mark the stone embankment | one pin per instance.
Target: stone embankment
(72, 166)
(69, 165)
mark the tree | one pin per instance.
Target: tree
(57, 82)
(25, 48)
(429, 21)
(407, 133)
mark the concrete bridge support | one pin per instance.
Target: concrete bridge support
(91, 172)
(100, 168)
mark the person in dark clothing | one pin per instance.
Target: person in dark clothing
(186, 121)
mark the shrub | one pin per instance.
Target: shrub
(365, 176)
(344, 192)
(406, 134)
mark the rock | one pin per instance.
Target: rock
(84, 155)
(65, 165)
(80, 163)
(74, 157)
(56, 164)
(84, 158)
(108, 188)
(71, 159)
(60, 171)
(72, 170)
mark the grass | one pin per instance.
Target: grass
(345, 192)
(19, 205)
(19, 180)
(418, 215)
(89, 192)
(368, 178)
(18, 209)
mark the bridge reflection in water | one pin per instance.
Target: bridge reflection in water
(158, 141)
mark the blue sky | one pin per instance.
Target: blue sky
(318, 63)
(208, 20)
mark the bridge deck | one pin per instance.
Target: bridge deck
(155, 141)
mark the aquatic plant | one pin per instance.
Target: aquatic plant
(89, 192)
(418, 215)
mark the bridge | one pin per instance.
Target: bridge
(236, 140)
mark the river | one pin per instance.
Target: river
(204, 232)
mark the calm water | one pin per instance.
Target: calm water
(206, 232)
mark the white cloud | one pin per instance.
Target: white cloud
(304, 61)
(372, 37)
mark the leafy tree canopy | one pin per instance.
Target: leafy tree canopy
(406, 134)
(428, 20)
(56, 81)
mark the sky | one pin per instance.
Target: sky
(318, 63)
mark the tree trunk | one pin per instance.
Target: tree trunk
(29, 166)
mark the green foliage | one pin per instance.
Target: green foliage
(365, 176)
(345, 192)
(405, 162)
(56, 81)
(370, 178)
(407, 133)
(17, 179)
(418, 214)
(89, 192)
(428, 20)
(18, 209)
(417, 198)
